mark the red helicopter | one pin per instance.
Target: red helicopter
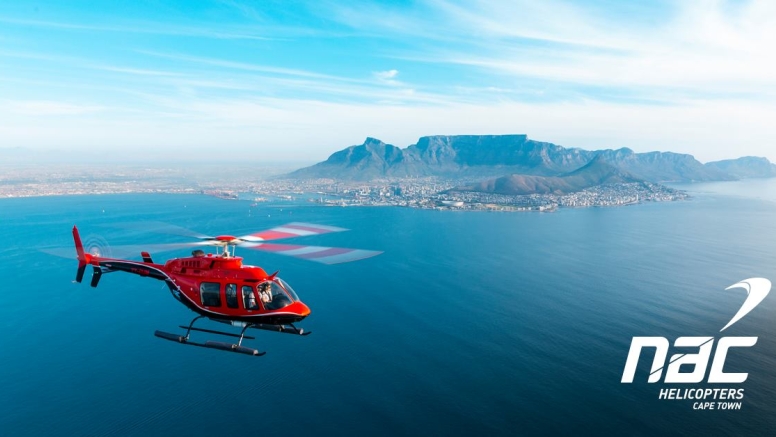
(220, 287)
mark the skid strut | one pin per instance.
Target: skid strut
(239, 348)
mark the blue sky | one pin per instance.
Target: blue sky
(286, 80)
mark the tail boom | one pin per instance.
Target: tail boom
(105, 265)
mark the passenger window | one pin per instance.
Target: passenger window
(231, 295)
(210, 293)
(249, 298)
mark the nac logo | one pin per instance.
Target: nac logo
(757, 289)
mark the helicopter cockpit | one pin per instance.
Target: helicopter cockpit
(276, 294)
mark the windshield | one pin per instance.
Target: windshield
(288, 288)
(272, 296)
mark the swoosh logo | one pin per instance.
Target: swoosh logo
(756, 290)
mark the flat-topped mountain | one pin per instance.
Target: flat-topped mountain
(463, 156)
(745, 167)
(596, 172)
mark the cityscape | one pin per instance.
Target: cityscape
(427, 192)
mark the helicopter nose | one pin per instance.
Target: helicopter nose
(304, 310)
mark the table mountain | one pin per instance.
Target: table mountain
(466, 156)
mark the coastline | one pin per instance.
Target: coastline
(424, 194)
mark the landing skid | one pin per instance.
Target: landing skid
(237, 347)
(287, 329)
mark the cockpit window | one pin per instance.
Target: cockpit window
(272, 296)
(288, 288)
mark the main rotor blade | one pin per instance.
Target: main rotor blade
(154, 248)
(160, 228)
(122, 251)
(290, 230)
(321, 254)
(62, 252)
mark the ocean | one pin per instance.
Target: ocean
(469, 323)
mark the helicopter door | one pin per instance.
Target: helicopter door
(249, 298)
(210, 292)
(231, 295)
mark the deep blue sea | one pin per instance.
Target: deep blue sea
(470, 323)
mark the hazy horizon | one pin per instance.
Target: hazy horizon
(54, 155)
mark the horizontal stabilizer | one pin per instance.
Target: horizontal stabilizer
(79, 275)
(96, 275)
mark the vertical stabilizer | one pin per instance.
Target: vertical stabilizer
(82, 259)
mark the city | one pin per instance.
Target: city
(426, 193)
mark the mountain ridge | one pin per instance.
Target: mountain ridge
(745, 167)
(487, 156)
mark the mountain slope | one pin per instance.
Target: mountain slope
(597, 172)
(370, 160)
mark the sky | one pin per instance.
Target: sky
(296, 81)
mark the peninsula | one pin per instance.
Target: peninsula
(508, 172)
(494, 172)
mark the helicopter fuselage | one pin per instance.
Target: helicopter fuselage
(218, 287)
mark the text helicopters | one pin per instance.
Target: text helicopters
(220, 287)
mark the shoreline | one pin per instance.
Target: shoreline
(600, 196)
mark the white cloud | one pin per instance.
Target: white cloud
(387, 77)
(704, 68)
(704, 48)
(153, 28)
(135, 71)
(46, 108)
